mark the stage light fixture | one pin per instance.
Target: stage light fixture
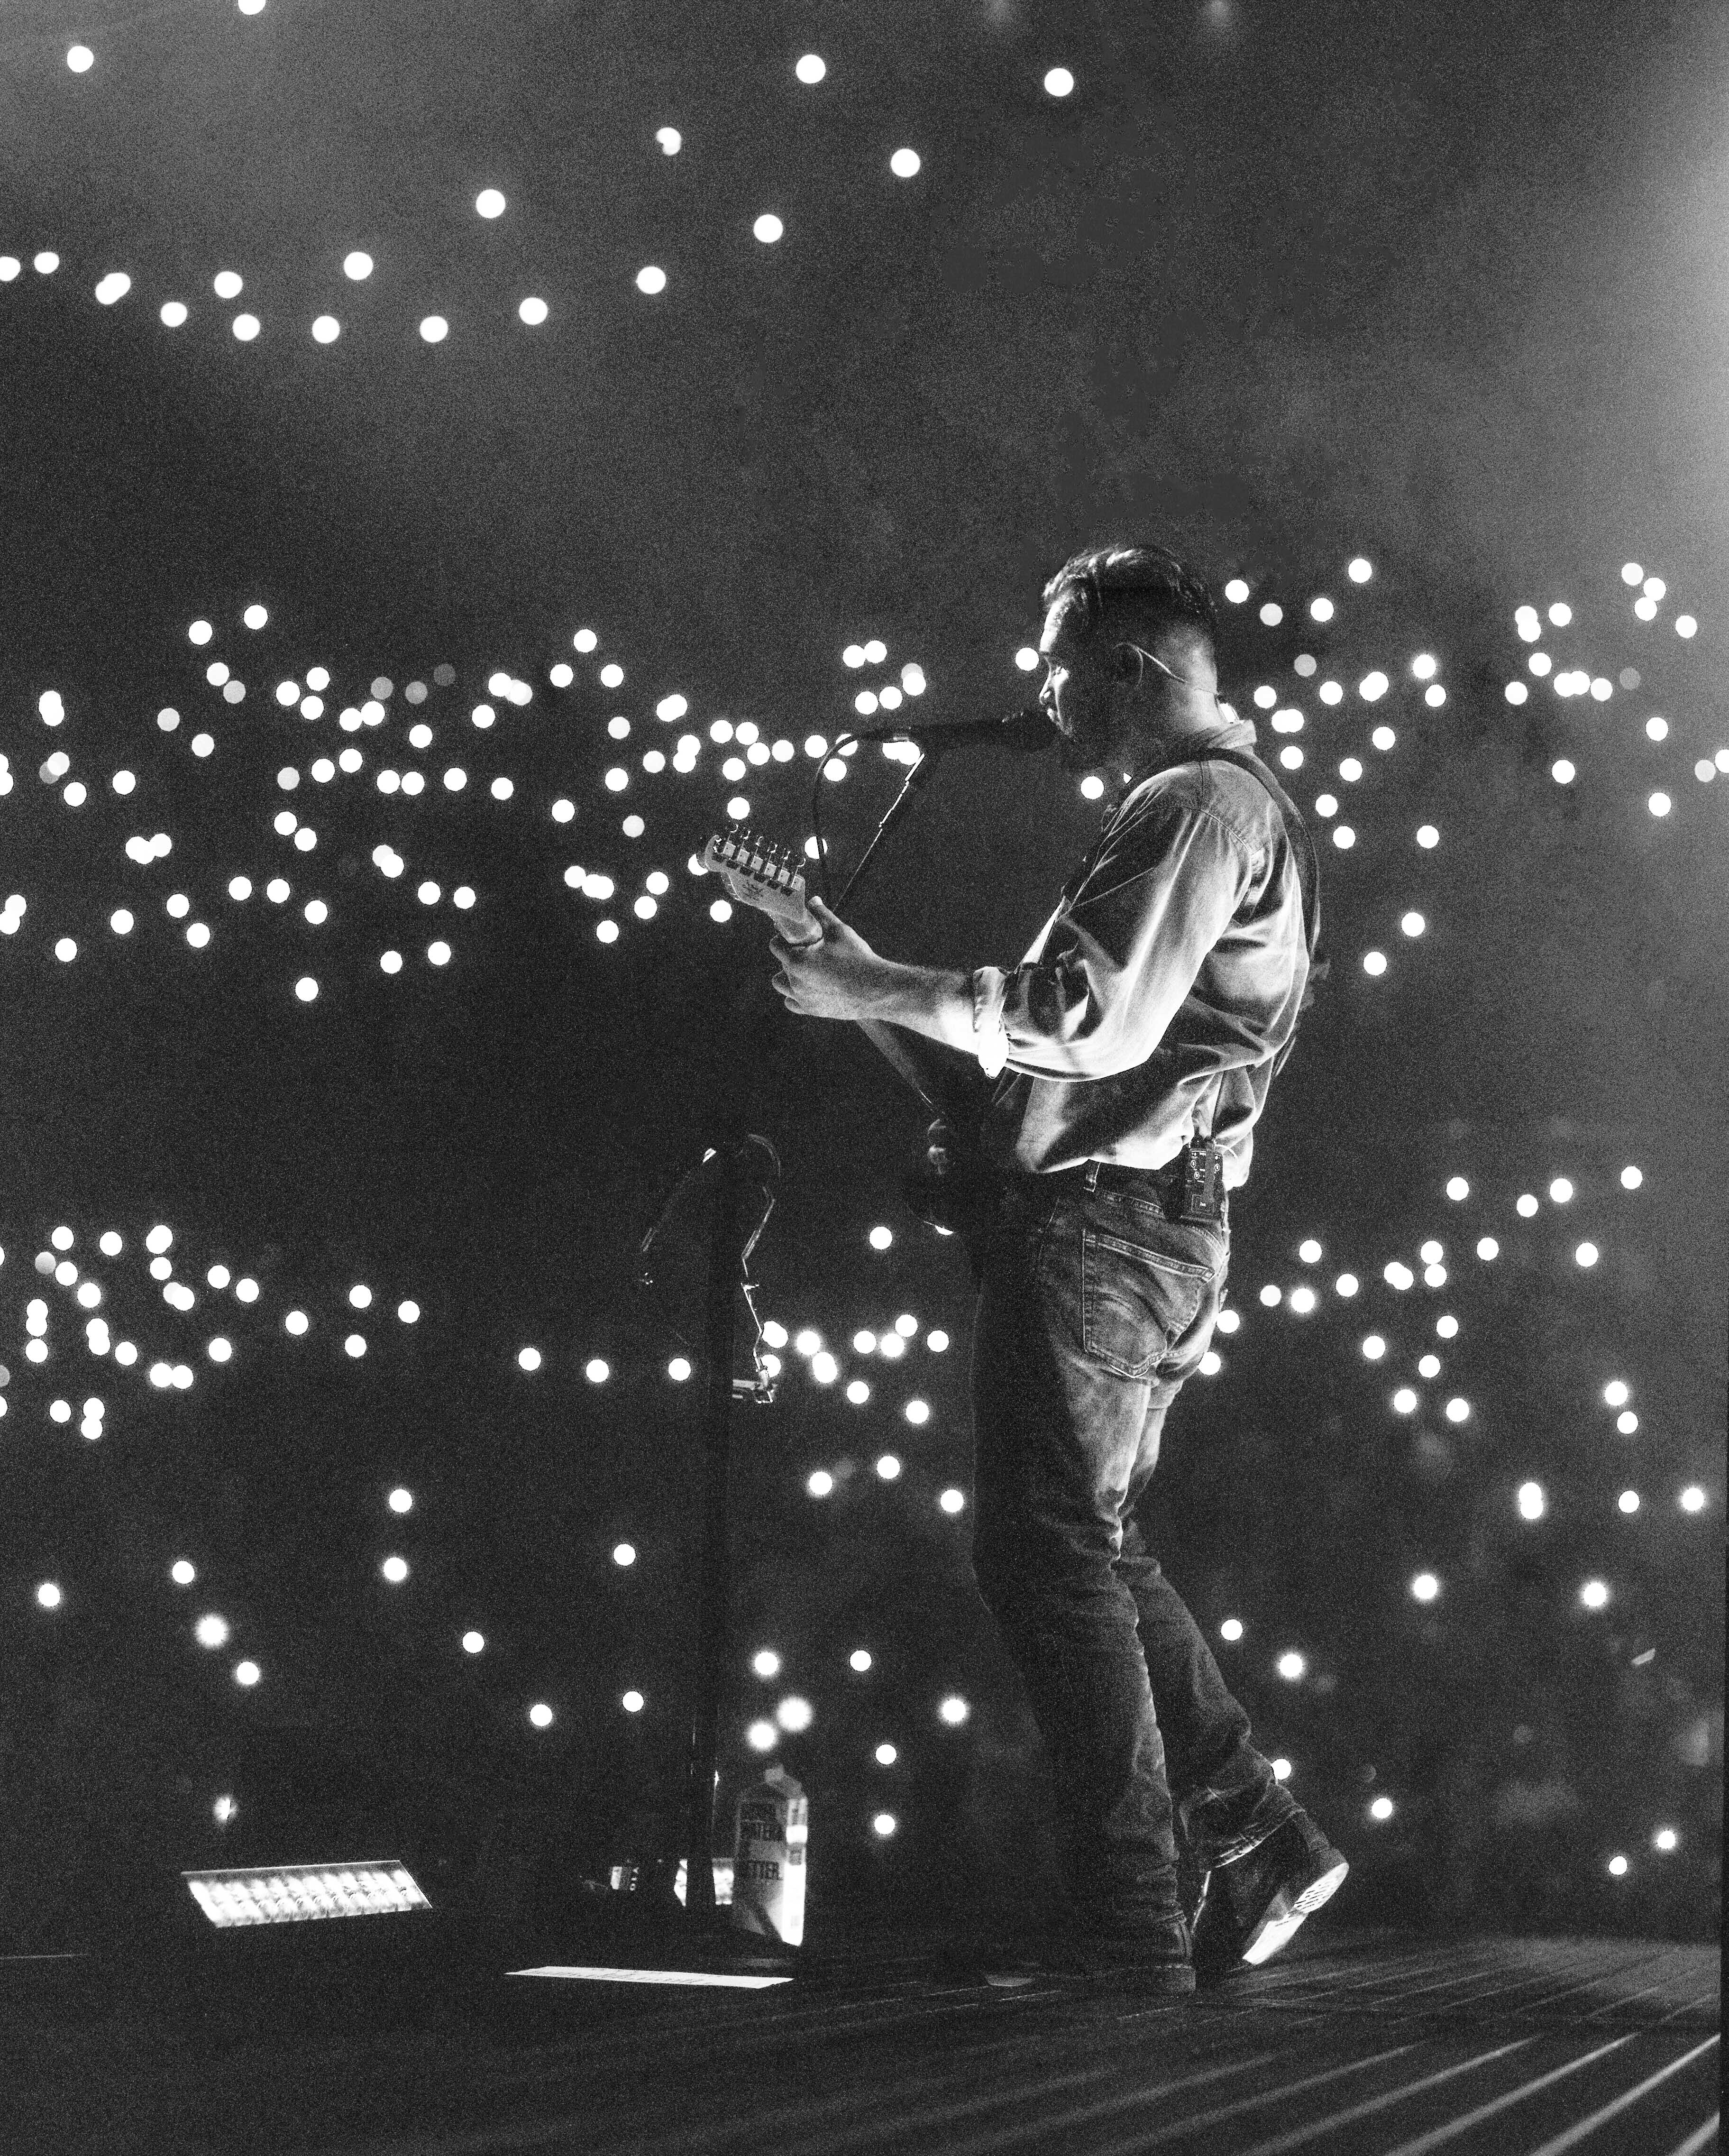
(280, 1894)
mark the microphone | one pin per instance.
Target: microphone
(753, 1152)
(1025, 732)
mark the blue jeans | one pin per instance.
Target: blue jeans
(1093, 1309)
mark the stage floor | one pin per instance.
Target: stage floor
(1349, 2042)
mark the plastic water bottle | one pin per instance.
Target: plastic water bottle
(768, 1869)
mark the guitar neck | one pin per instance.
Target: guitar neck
(892, 1047)
(769, 877)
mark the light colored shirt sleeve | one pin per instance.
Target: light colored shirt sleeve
(990, 985)
(1110, 974)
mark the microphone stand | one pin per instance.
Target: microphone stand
(727, 1263)
(655, 1928)
(698, 1932)
(917, 777)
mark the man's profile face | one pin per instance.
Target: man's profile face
(1077, 696)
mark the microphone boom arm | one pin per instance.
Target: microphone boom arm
(917, 776)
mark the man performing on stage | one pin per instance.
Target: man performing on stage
(1131, 1052)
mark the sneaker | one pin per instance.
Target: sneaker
(1252, 1907)
(1158, 1960)
(1155, 1961)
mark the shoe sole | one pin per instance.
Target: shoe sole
(1176, 1981)
(1287, 1910)
(1114, 1984)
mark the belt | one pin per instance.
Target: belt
(1113, 1175)
(1163, 1186)
(1160, 1183)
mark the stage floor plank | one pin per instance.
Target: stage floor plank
(1364, 2044)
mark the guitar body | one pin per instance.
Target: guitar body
(950, 1189)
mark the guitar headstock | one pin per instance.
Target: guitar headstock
(767, 876)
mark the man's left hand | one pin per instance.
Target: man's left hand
(839, 977)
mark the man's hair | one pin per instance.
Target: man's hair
(1135, 592)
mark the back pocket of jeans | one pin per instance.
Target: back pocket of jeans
(1135, 1303)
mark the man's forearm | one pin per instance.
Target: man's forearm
(932, 1000)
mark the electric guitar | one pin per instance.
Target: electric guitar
(952, 1189)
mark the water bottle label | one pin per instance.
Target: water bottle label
(773, 1831)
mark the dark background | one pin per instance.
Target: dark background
(1281, 285)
